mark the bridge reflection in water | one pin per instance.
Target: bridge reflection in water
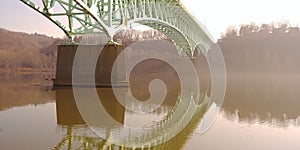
(79, 136)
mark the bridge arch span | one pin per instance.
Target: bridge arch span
(108, 16)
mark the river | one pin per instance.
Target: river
(259, 112)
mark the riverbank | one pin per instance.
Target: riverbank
(28, 70)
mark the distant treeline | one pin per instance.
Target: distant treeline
(254, 30)
(130, 35)
(264, 49)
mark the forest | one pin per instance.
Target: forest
(262, 49)
(22, 50)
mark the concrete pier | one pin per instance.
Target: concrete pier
(65, 59)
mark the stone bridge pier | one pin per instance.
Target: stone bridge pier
(102, 72)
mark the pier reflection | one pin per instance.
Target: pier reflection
(68, 113)
(78, 135)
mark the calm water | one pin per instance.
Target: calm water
(259, 112)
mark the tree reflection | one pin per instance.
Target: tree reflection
(272, 100)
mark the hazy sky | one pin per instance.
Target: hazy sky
(217, 15)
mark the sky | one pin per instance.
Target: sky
(216, 15)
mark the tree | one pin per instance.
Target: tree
(265, 28)
(281, 27)
(247, 29)
(231, 32)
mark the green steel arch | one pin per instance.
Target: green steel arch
(76, 17)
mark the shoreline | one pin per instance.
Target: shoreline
(28, 70)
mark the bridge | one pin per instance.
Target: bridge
(77, 17)
(108, 17)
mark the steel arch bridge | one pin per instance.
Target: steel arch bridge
(77, 17)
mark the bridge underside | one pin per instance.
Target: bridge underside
(77, 17)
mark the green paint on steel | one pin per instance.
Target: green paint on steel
(77, 17)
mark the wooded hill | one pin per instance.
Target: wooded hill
(22, 50)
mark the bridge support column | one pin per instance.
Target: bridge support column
(65, 58)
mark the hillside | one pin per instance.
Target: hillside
(22, 50)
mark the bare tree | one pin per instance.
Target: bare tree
(266, 28)
(248, 29)
(231, 31)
